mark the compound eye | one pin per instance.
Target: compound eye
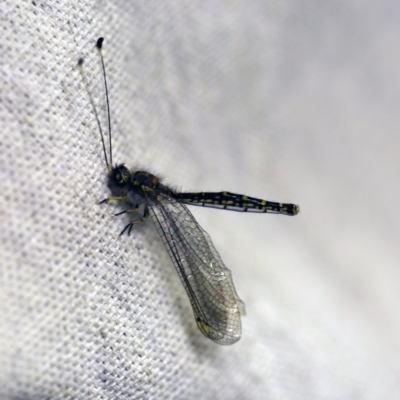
(119, 179)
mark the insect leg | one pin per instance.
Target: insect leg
(129, 210)
(136, 221)
(112, 198)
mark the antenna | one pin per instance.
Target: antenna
(80, 64)
(99, 45)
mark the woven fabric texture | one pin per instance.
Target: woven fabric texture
(291, 101)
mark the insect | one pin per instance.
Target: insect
(216, 305)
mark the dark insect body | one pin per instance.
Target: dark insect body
(217, 307)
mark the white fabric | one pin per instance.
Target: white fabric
(291, 101)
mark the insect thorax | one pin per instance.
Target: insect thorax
(146, 184)
(135, 186)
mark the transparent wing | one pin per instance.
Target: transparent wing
(207, 281)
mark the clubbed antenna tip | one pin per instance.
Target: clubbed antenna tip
(99, 43)
(80, 62)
